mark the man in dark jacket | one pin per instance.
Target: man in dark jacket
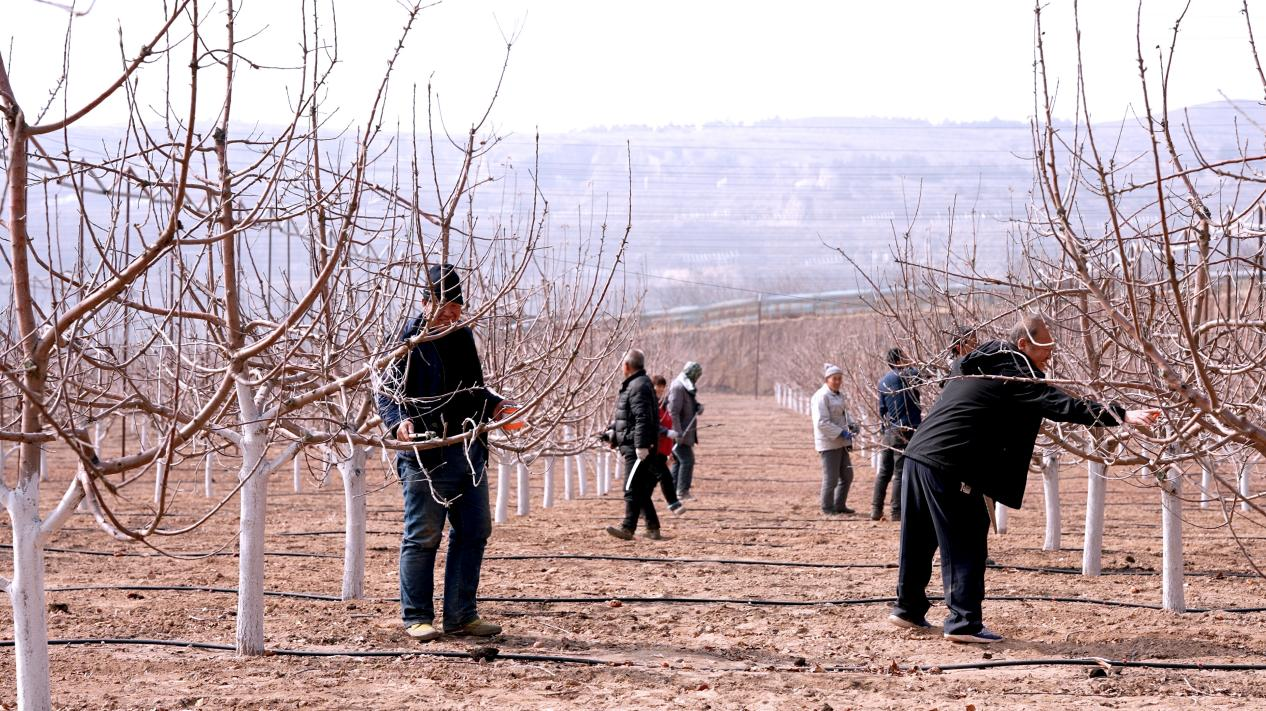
(899, 416)
(974, 446)
(635, 432)
(437, 391)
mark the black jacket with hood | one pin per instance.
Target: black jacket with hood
(982, 430)
(636, 423)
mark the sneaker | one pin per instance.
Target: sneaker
(422, 631)
(654, 534)
(620, 532)
(685, 496)
(984, 636)
(476, 628)
(907, 623)
(678, 509)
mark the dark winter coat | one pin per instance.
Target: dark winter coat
(899, 400)
(636, 422)
(982, 430)
(439, 385)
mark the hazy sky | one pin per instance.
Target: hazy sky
(582, 63)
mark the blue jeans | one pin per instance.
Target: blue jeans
(465, 504)
(683, 467)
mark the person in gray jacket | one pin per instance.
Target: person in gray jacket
(684, 407)
(833, 432)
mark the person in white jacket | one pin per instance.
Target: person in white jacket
(833, 432)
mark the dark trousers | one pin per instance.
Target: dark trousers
(456, 490)
(935, 512)
(665, 475)
(837, 478)
(892, 460)
(637, 492)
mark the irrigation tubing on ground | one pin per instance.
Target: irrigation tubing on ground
(590, 661)
(280, 652)
(634, 600)
(650, 559)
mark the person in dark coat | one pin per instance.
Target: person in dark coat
(899, 416)
(974, 447)
(634, 431)
(685, 408)
(437, 391)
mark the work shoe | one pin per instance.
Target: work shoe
(422, 631)
(677, 508)
(984, 636)
(908, 623)
(846, 510)
(476, 628)
(876, 514)
(685, 496)
(620, 532)
(895, 517)
(654, 534)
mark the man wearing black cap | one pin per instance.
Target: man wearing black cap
(899, 416)
(437, 391)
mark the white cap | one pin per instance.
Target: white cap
(828, 370)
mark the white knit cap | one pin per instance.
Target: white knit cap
(828, 370)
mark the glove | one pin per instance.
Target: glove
(643, 453)
(853, 428)
(674, 435)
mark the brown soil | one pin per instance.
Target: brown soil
(757, 494)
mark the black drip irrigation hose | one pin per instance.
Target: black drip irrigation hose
(650, 559)
(328, 652)
(636, 600)
(478, 654)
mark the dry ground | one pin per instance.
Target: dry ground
(757, 493)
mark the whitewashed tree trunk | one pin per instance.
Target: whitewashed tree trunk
(296, 474)
(1092, 545)
(613, 472)
(1245, 468)
(43, 464)
(580, 474)
(1050, 487)
(208, 478)
(604, 475)
(160, 479)
(352, 470)
(1206, 483)
(547, 478)
(523, 490)
(250, 568)
(26, 591)
(1172, 596)
(1002, 515)
(503, 490)
(568, 466)
(874, 459)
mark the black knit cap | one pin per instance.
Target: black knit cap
(443, 284)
